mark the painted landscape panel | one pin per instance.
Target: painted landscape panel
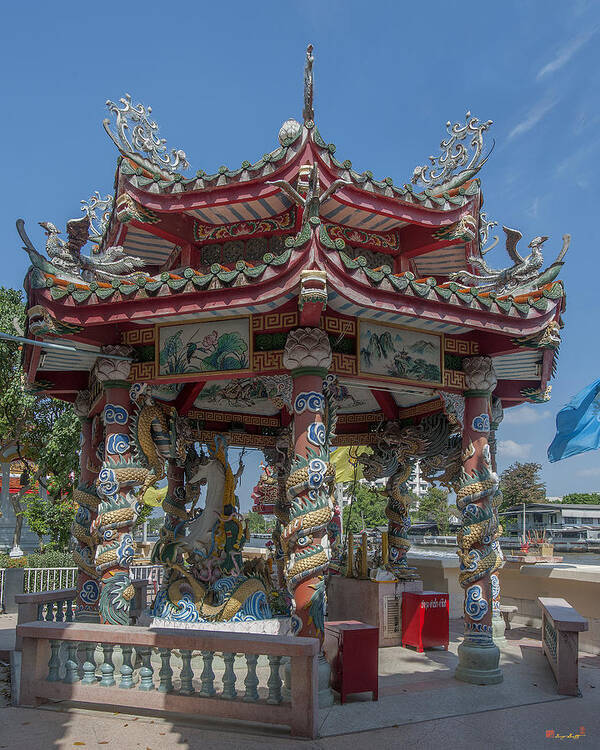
(395, 352)
(204, 346)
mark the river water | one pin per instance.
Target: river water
(572, 558)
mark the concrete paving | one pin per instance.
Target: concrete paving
(421, 705)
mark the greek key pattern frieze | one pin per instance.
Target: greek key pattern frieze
(346, 326)
(274, 321)
(454, 379)
(138, 336)
(343, 364)
(375, 416)
(461, 347)
(268, 361)
(235, 439)
(255, 420)
(142, 371)
(361, 438)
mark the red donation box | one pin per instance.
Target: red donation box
(425, 619)
(352, 650)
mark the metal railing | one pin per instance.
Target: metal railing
(49, 579)
(2, 588)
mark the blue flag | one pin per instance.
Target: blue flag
(577, 425)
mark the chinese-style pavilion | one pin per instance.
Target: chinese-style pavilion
(291, 304)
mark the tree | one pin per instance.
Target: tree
(368, 504)
(433, 506)
(582, 498)
(257, 523)
(521, 483)
(53, 518)
(40, 431)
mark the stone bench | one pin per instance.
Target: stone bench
(507, 611)
(561, 625)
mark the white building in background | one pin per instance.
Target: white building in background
(417, 484)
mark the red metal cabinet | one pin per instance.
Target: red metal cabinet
(352, 650)
(425, 619)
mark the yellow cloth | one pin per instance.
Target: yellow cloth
(154, 496)
(345, 459)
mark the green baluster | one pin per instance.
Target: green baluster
(274, 681)
(59, 612)
(187, 673)
(40, 612)
(229, 691)
(146, 670)
(107, 668)
(69, 615)
(54, 662)
(251, 681)
(166, 673)
(207, 688)
(126, 668)
(89, 665)
(71, 664)
(49, 611)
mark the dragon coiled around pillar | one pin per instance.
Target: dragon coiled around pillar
(308, 490)
(476, 497)
(399, 501)
(87, 499)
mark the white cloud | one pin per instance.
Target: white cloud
(525, 414)
(594, 472)
(566, 53)
(512, 449)
(535, 114)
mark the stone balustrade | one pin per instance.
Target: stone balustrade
(561, 625)
(94, 664)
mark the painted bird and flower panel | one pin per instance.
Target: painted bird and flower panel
(392, 352)
(207, 346)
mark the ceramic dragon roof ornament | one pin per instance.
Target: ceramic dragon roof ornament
(66, 261)
(524, 275)
(136, 132)
(440, 175)
(308, 113)
(98, 223)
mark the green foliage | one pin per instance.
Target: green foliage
(433, 506)
(582, 498)
(52, 518)
(144, 515)
(34, 560)
(521, 483)
(42, 431)
(155, 524)
(369, 504)
(257, 523)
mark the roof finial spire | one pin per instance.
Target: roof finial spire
(308, 112)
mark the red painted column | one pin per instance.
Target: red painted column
(308, 356)
(479, 551)
(88, 585)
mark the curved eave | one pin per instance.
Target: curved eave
(163, 300)
(423, 299)
(245, 185)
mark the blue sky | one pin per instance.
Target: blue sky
(222, 77)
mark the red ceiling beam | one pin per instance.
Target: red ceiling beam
(386, 401)
(189, 393)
